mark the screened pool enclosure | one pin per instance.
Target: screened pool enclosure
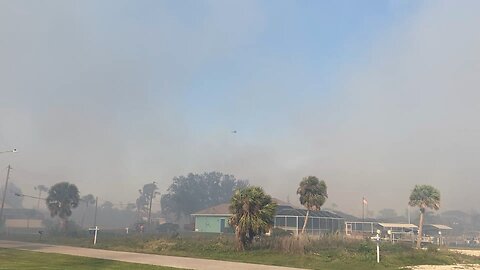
(319, 222)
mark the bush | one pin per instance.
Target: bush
(167, 228)
(277, 232)
(53, 227)
(432, 248)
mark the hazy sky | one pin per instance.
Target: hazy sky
(371, 96)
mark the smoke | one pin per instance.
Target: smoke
(92, 94)
(112, 96)
(406, 115)
(402, 114)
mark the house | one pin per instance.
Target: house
(360, 228)
(213, 219)
(397, 228)
(22, 219)
(287, 217)
(437, 233)
(393, 231)
(436, 229)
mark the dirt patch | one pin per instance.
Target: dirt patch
(470, 252)
(452, 267)
(446, 267)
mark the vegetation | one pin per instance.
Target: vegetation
(423, 197)
(62, 197)
(329, 252)
(147, 194)
(253, 213)
(194, 192)
(313, 194)
(387, 214)
(23, 260)
(87, 200)
(40, 188)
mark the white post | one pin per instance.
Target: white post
(297, 226)
(378, 253)
(377, 239)
(95, 237)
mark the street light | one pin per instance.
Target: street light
(14, 150)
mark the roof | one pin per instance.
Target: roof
(217, 210)
(282, 210)
(398, 225)
(223, 209)
(439, 226)
(290, 211)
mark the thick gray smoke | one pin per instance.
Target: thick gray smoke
(101, 97)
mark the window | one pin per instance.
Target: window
(280, 221)
(292, 222)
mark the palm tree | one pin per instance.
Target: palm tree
(424, 196)
(253, 213)
(87, 199)
(62, 197)
(313, 194)
(40, 188)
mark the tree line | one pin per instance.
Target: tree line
(185, 196)
(252, 209)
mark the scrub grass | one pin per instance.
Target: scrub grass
(329, 252)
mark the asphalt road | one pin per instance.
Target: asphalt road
(161, 260)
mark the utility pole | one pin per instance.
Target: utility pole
(150, 208)
(39, 196)
(154, 187)
(95, 217)
(95, 227)
(363, 214)
(408, 213)
(5, 192)
(363, 209)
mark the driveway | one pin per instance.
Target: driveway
(161, 260)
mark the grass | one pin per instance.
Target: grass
(19, 259)
(325, 253)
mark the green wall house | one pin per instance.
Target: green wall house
(287, 217)
(213, 219)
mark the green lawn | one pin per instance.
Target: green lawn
(19, 259)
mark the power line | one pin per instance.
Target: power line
(31, 173)
(29, 196)
(99, 200)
